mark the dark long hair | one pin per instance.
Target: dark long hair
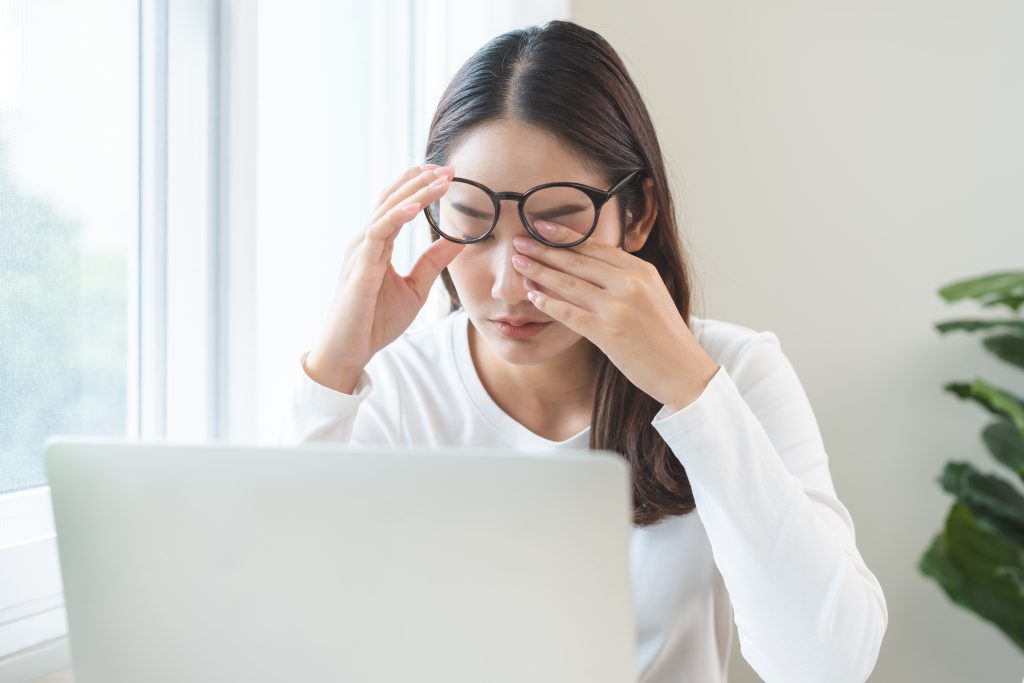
(569, 81)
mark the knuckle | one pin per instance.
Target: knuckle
(613, 317)
(572, 316)
(399, 208)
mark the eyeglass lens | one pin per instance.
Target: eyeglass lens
(466, 212)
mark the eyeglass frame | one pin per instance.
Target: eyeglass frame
(598, 197)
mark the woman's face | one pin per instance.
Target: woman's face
(515, 156)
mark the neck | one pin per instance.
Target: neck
(561, 385)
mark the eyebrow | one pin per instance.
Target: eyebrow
(564, 209)
(553, 212)
(468, 210)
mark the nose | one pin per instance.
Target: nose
(509, 284)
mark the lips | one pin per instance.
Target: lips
(518, 322)
(523, 331)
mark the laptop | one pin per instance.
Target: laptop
(220, 561)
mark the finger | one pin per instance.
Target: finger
(579, 320)
(561, 234)
(430, 264)
(411, 172)
(564, 285)
(401, 195)
(585, 266)
(386, 226)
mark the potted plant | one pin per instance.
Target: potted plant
(978, 558)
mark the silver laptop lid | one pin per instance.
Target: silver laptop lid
(228, 562)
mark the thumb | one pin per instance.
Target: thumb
(429, 265)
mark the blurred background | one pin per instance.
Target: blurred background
(179, 180)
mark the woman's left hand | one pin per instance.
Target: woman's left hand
(620, 303)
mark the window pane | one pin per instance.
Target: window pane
(68, 213)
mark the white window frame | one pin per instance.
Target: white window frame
(192, 315)
(178, 380)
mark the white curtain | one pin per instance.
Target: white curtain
(346, 93)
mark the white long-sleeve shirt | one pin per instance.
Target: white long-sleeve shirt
(769, 544)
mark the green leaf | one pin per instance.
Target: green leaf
(1006, 444)
(1015, 576)
(991, 498)
(979, 570)
(1006, 288)
(1007, 347)
(937, 564)
(973, 325)
(980, 550)
(995, 400)
(1013, 301)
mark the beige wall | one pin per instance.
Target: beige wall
(835, 164)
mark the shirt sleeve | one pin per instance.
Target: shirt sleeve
(805, 604)
(370, 415)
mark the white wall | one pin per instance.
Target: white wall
(835, 164)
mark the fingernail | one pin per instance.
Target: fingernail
(544, 226)
(411, 208)
(428, 167)
(442, 170)
(440, 182)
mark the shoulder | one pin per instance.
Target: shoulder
(729, 342)
(762, 373)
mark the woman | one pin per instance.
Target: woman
(570, 327)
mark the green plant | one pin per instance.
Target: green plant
(978, 558)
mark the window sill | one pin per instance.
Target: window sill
(31, 592)
(48, 662)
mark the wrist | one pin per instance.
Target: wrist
(340, 378)
(688, 395)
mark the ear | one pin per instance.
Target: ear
(639, 228)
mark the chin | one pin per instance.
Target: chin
(517, 352)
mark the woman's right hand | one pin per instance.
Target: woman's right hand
(373, 305)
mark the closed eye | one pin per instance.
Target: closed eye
(470, 211)
(559, 211)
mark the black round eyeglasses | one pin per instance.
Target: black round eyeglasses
(468, 211)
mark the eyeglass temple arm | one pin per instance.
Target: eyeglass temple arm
(622, 183)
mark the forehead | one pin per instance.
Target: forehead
(515, 156)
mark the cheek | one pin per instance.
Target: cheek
(467, 274)
(607, 230)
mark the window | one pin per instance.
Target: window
(168, 170)
(68, 210)
(69, 99)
